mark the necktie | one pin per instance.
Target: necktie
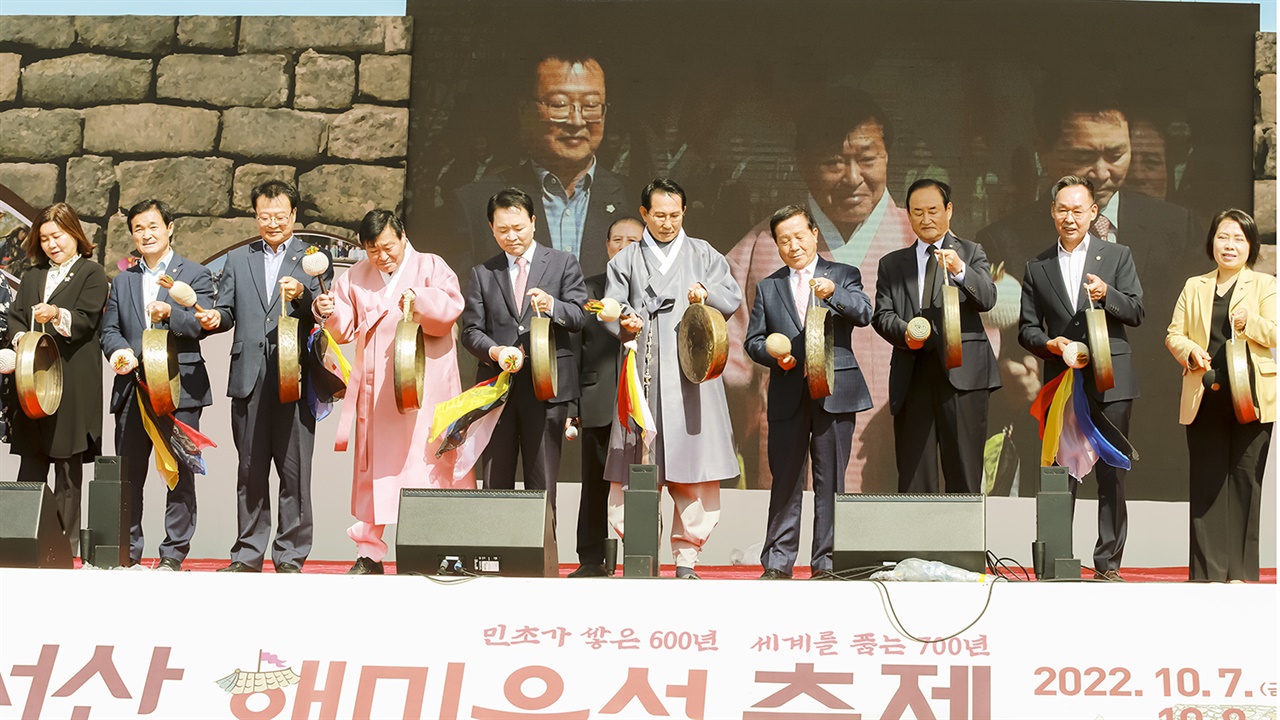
(801, 293)
(522, 279)
(930, 278)
(1101, 227)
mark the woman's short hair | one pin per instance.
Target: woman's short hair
(64, 217)
(1247, 225)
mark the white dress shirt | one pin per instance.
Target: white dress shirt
(272, 260)
(801, 290)
(58, 273)
(1071, 264)
(151, 281)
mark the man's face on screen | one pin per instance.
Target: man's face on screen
(850, 181)
(564, 123)
(1097, 147)
(1148, 172)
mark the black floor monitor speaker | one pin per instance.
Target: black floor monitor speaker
(878, 529)
(30, 536)
(476, 532)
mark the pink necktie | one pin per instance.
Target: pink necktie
(1101, 227)
(801, 293)
(522, 279)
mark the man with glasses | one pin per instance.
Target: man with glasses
(1058, 285)
(256, 281)
(561, 126)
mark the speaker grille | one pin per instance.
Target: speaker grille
(876, 529)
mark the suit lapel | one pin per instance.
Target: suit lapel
(537, 271)
(1244, 285)
(66, 280)
(1202, 307)
(502, 278)
(908, 268)
(132, 293)
(175, 267)
(258, 270)
(1092, 266)
(1053, 273)
(787, 294)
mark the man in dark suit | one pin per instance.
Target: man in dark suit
(802, 428)
(1086, 132)
(561, 126)
(501, 299)
(1058, 285)
(137, 301)
(257, 280)
(935, 407)
(594, 412)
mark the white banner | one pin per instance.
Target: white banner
(94, 644)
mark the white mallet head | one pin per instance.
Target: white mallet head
(511, 359)
(8, 361)
(777, 345)
(315, 263)
(610, 311)
(182, 294)
(1076, 355)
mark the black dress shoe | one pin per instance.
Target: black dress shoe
(238, 566)
(774, 574)
(365, 566)
(824, 575)
(590, 570)
(170, 564)
(686, 573)
(287, 568)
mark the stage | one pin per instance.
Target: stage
(193, 645)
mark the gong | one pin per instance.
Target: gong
(1100, 349)
(542, 358)
(952, 349)
(410, 360)
(289, 357)
(819, 352)
(1239, 378)
(160, 370)
(38, 376)
(702, 343)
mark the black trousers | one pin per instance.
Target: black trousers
(132, 442)
(68, 480)
(1227, 464)
(936, 417)
(1113, 515)
(530, 431)
(593, 505)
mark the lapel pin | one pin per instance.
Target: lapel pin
(1097, 257)
(608, 208)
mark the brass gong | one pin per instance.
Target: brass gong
(1239, 379)
(410, 361)
(289, 356)
(160, 370)
(819, 352)
(1100, 349)
(38, 376)
(542, 358)
(702, 343)
(952, 349)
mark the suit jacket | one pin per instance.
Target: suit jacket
(77, 425)
(251, 306)
(1253, 291)
(774, 311)
(897, 302)
(1048, 312)
(490, 316)
(124, 321)
(597, 351)
(608, 202)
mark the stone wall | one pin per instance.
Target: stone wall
(1264, 137)
(104, 111)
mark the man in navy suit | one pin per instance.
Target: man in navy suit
(502, 297)
(800, 427)
(935, 408)
(257, 280)
(1058, 285)
(137, 301)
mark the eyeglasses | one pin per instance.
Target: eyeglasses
(1061, 213)
(560, 111)
(270, 220)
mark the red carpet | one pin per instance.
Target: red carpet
(719, 572)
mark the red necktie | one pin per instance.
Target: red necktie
(522, 279)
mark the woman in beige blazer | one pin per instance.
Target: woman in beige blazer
(1227, 456)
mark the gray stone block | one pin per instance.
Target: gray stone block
(287, 134)
(208, 32)
(35, 183)
(370, 132)
(119, 244)
(338, 230)
(332, 34)
(1264, 53)
(1264, 206)
(199, 238)
(323, 82)
(34, 134)
(91, 230)
(385, 77)
(250, 175)
(1264, 151)
(1267, 98)
(147, 128)
(243, 80)
(397, 34)
(90, 180)
(10, 69)
(144, 34)
(192, 186)
(84, 80)
(52, 32)
(344, 193)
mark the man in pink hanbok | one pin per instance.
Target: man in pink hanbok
(392, 449)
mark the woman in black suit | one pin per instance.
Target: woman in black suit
(64, 294)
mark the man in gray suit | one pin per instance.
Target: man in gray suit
(137, 301)
(256, 280)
